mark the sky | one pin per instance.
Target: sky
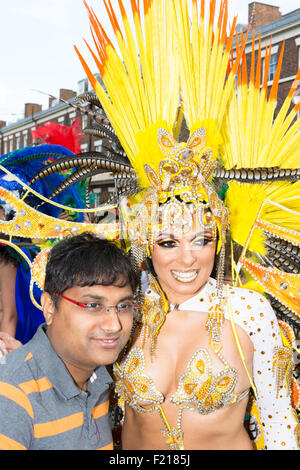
(37, 39)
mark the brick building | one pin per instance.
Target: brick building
(19, 134)
(272, 24)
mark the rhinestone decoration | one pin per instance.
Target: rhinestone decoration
(43, 226)
(178, 189)
(133, 385)
(282, 367)
(199, 387)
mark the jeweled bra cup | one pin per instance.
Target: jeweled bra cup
(198, 389)
(135, 387)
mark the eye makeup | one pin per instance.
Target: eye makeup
(200, 239)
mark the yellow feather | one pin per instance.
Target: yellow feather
(245, 202)
(141, 81)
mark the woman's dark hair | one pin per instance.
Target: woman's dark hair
(86, 260)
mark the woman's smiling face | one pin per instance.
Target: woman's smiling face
(184, 262)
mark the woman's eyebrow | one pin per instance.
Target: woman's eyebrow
(166, 235)
(172, 236)
(202, 234)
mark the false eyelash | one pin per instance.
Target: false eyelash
(163, 242)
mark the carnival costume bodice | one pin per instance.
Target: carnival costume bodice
(201, 390)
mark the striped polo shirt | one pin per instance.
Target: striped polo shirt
(41, 408)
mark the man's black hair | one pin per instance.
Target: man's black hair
(86, 260)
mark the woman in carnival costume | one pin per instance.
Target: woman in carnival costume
(204, 354)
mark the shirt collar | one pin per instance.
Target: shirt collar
(56, 372)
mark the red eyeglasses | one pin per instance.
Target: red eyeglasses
(124, 307)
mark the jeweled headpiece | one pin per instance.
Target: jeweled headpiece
(178, 191)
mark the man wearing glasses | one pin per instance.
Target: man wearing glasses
(54, 391)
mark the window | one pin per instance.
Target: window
(25, 139)
(98, 145)
(83, 86)
(272, 68)
(85, 121)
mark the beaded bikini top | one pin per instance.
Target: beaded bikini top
(199, 389)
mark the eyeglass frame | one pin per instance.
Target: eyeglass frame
(85, 306)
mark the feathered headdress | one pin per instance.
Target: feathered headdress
(140, 94)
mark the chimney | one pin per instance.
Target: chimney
(51, 99)
(2, 124)
(260, 14)
(31, 109)
(66, 94)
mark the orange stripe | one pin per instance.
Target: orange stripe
(258, 64)
(251, 79)
(90, 76)
(29, 356)
(109, 447)
(100, 410)
(58, 426)
(9, 444)
(16, 395)
(40, 385)
(274, 89)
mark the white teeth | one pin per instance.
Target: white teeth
(108, 340)
(185, 276)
